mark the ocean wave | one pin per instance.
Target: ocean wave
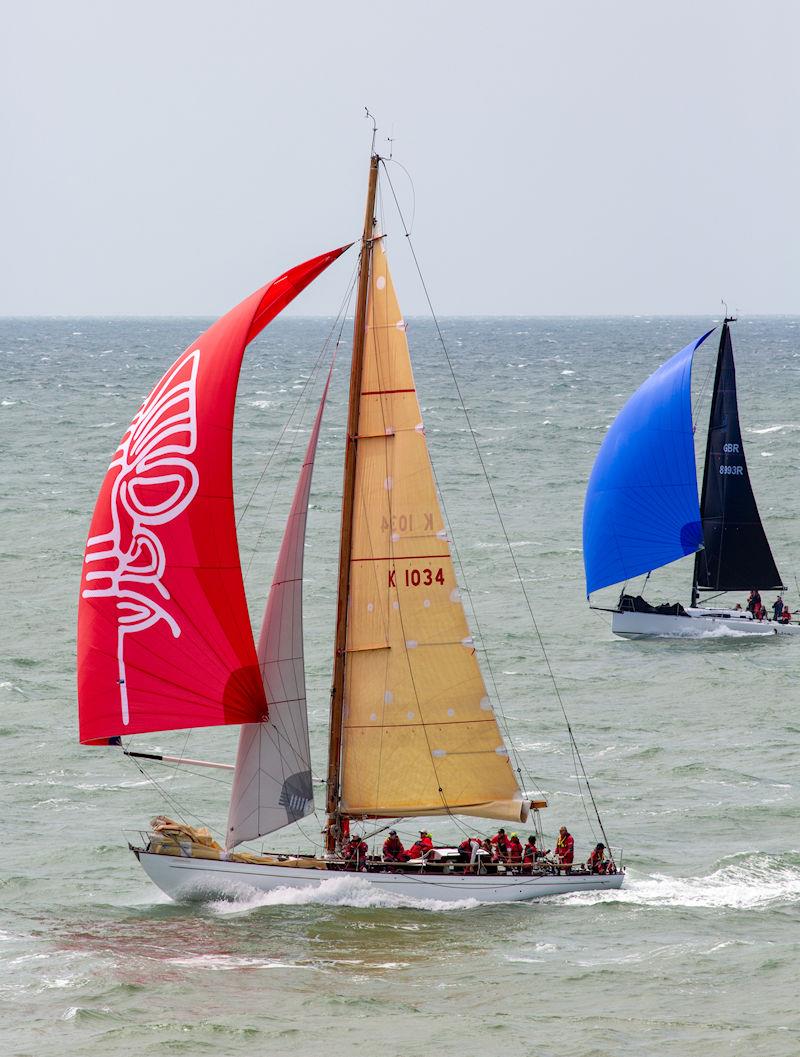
(227, 962)
(753, 882)
(772, 429)
(336, 892)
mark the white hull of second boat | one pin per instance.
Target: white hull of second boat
(187, 878)
(697, 624)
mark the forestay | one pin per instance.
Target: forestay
(737, 555)
(272, 782)
(164, 637)
(419, 733)
(641, 509)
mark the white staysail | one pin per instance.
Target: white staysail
(272, 783)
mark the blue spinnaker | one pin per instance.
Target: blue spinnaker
(641, 509)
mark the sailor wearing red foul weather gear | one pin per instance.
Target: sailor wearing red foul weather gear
(565, 849)
(530, 853)
(514, 854)
(499, 846)
(596, 862)
(354, 853)
(393, 849)
(465, 850)
(422, 848)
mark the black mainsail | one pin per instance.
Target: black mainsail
(736, 555)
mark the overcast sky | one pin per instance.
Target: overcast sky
(591, 158)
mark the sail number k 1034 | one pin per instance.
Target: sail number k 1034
(417, 577)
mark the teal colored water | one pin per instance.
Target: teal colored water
(692, 748)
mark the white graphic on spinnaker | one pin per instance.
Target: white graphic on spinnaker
(152, 458)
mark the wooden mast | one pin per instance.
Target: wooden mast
(332, 831)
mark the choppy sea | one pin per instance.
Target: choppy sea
(692, 747)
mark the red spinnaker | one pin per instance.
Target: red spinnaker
(164, 636)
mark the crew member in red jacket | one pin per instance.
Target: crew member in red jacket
(422, 848)
(354, 853)
(596, 863)
(514, 853)
(393, 850)
(530, 853)
(499, 846)
(565, 849)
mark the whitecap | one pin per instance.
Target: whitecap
(346, 891)
(752, 884)
(226, 962)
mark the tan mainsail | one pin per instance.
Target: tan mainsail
(419, 733)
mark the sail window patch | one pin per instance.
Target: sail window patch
(388, 697)
(380, 282)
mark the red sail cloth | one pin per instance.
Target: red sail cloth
(164, 635)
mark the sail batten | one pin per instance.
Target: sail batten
(737, 554)
(164, 638)
(419, 736)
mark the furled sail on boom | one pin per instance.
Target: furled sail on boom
(272, 783)
(164, 637)
(419, 735)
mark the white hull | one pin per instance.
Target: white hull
(698, 623)
(186, 878)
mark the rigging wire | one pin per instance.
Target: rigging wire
(577, 758)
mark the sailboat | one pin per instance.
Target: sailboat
(165, 642)
(642, 510)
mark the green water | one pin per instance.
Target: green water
(692, 748)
